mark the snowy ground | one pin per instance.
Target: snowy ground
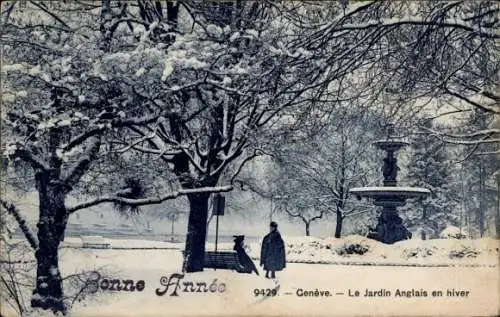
(353, 250)
(239, 299)
(479, 276)
(360, 250)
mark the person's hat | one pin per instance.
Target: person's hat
(273, 224)
(239, 238)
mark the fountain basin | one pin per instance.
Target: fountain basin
(390, 196)
(390, 144)
(390, 191)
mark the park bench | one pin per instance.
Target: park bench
(226, 260)
(94, 242)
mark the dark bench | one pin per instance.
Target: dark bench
(226, 260)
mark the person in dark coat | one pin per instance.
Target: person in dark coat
(272, 253)
(243, 258)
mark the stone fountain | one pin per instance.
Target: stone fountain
(390, 226)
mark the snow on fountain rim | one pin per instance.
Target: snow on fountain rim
(389, 190)
(391, 141)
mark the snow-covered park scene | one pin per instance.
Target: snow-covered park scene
(250, 158)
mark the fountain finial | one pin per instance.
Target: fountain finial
(390, 130)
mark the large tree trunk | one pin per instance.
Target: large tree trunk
(338, 226)
(197, 232)
(48, 293)
(423, 234)
(308, 229)
(481, 210)
(497, 218)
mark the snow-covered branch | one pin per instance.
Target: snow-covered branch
(486, 136)
(79, 139)
(191, 159)
(245, 185)
(230, 157)
(149, 201)
(302, 216)
(136, 142)
(293, 215)
(11, 209)
(161, 143)
(138, 121)
(161, 153)
(473, 142)
(42, 7)
(352, 213)
(480, 133)
(493, 108)
(321, 213)
(385, 23)
(256, 153)
(488, 153)
(28, 156)
(165, 140)
(76, 171)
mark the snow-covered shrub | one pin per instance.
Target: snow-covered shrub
(361, 249)
(354, 245)
(305, 247)
(419, 252)
(452, 232)
(464, 251)
(355, 248)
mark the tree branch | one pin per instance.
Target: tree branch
(392, 23)
(492, 109)
(41, 7)
(256, 153)
(75, 172)
(148, 201)
(79, 139)
(352, 213)
(31, 158)
(297, 215)
(11, 209)
(322, 211)
(483, 135)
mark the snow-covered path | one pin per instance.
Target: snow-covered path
(238, 298)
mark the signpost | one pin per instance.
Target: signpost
(218, 210)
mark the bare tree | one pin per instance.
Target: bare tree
(321, 169)
(305, 213)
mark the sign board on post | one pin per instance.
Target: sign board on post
(218, 210)
(218, 205)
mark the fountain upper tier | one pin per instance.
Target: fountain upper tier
(391, 144)
(390, 195)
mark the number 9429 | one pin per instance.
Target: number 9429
(265, 292)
